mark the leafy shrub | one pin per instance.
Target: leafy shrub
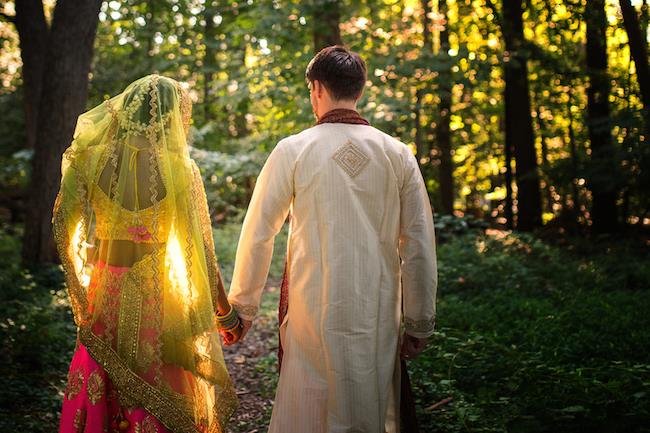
(534, 338)
(37, 334)
(15, 169)
(229, 180)
(450, 226)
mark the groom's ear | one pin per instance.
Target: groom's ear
(318, 88)
(321, 91)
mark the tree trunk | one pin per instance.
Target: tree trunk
(33, 32)
(603, 167)
(327, 16)
(443, 135)
(541, 125)
(509, 202)
(574, 157)
(519, 128)
(64, 91)
(639, 51)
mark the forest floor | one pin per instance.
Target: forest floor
(252, 365)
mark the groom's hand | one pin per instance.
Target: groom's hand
(234, 336)
(246, 325)
(412, 346)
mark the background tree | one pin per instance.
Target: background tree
(603, 154)
(639, 51)
(57, 61)
(518, 122)
(326, 19)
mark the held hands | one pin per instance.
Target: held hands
(412, 347)
(237, 334)
(231, 327)
(231, 336)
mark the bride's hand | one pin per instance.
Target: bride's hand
(232, 336)
(236, 335)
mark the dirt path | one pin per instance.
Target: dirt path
(253, 369)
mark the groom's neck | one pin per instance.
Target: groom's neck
(333, 105)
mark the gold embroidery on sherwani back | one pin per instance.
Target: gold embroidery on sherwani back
(136, 247)
(351, 158)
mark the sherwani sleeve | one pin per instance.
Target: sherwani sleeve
(418, 253)
(266, 214)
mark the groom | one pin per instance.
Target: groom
(361, 262)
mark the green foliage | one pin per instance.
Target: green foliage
(12, 127)
(228, 180)
(37, 335)
(15, 169)
(532, 338)
(449, 227)
(226, 237)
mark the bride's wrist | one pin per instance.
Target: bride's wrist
(228, 321)
(222, 311)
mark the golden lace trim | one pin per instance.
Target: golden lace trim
(134, 391)
(128, 331)
(154, 161)
(186, 107)
(77, 293)
(421, 326)
(214, 273)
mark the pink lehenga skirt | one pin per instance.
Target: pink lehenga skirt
(91, 401)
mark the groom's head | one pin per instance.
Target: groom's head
(335, 76)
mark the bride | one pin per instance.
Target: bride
(133, 231)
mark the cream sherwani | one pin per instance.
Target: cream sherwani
(361, 257)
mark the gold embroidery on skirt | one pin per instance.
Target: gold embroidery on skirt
(79, 422)
(75, 383)
(95, 387)
(149, 426)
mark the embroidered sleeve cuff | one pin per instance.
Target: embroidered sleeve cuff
(419, 328)
(246, 312)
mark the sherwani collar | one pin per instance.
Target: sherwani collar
(342, 115)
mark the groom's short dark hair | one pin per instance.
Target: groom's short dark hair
(340, 70)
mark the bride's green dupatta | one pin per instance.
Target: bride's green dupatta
(132, 197)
